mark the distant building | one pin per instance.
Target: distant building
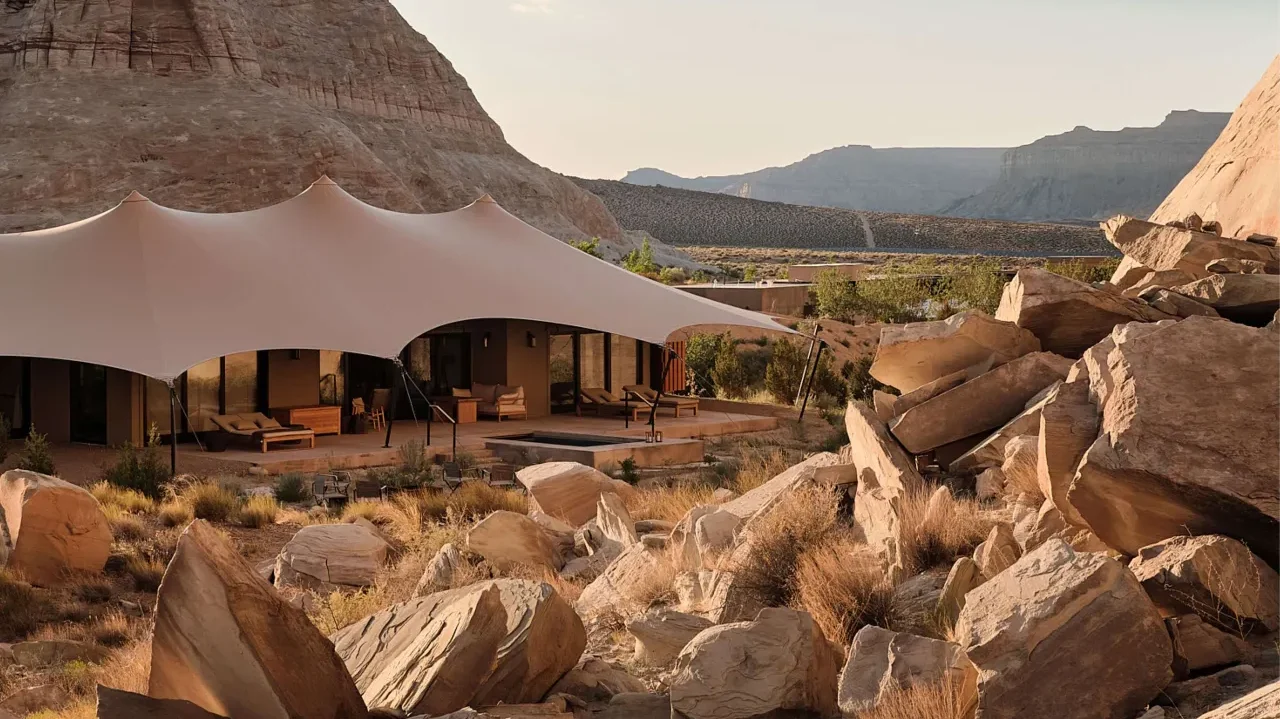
(779, 298)
(808, 273)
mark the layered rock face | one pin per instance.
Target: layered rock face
(226, 105)
(1237, 181)
(1091, 174)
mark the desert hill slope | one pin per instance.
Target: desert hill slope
(691, 217)
(226, 105)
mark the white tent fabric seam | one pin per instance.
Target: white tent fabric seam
(156, 291)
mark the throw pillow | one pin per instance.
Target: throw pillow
(269, 423)
(244, 425)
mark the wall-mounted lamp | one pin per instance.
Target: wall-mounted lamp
(484, 341)
(532, 339)
(295, 354)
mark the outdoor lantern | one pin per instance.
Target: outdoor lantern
(657, 435)
(533, 339)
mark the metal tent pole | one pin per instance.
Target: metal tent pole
(805, 370)
(173, 431)
(662, 385)
(817, 358)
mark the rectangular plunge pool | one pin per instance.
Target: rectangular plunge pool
(593, 450)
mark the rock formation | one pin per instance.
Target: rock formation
(1089, 174)
(1237, 181)
(231, 105)
(52, 527)
(324, 555)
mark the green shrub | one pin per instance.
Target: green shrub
(37, 455)
(591, 246)
(291, 487)
(629, 473)
(728, 373)
(672, 276)
(700, 361)
(977, 285)
(784, 372)
(640, 261)
(835, 296)
(751, 273)
(1082, 272)
(144, 471)
(861, 384)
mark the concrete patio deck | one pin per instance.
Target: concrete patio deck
(352, 451)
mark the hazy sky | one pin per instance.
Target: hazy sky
(698, 87)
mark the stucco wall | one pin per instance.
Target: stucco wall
(293, 382)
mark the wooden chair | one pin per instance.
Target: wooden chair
(327, 488)
(378, 408)
(452, 476)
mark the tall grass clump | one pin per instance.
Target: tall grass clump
(291, 487)
(175, 513)
(130, 501)
(937, 538)
(259, 511)
(668, 503)
(842, 585)
(778, 540)
(210, 500)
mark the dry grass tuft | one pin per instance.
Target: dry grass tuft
(942, 700)
(128, 669)
(363, 509)
(126, 527)
(760, 467)
(777, 541)
(126, 500)
(92, 589)
(210, 501)
(305, 518)
(339, 609)
(937, 540)
(176, 514)
(21, 609)
(840, 582)
(566, 588)
(259, 511)
(473, 500)
(668, 503)
(145, 572)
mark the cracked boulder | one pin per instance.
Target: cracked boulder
(918, 353)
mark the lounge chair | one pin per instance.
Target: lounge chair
(327, 488)
(260, 431)
(600, 401)
(674, 402)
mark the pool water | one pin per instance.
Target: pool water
(568, 439)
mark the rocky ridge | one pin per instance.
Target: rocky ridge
(229, 105)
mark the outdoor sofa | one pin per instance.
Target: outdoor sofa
(260, 431)
(497, 400)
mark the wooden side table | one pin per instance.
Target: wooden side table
(463, 409)
(321, 419)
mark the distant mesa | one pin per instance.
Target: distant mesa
(1077, 176)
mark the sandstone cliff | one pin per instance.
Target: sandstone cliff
(230, 105)
(1237, 182)
(856, 177)
(1087, 174)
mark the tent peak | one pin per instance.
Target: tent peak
(486, 197)
(324, 180)
(136, 196)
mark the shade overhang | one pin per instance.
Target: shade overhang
(156, 291)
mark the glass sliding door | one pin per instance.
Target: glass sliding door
(15, 393)
(333, 378)
(240, 383)
(88, 403)
(622, 363)
(203, 400)
(563, 373)
(450, 362)
(591, 360)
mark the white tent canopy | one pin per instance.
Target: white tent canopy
(156, 291)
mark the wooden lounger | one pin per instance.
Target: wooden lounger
(602, 403)
(674, 402)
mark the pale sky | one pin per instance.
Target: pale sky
(705, 87)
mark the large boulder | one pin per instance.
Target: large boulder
(1261, 703)
(881, 662)
(567, 490)
(918, 353)
(1198, 646)
(997, 552)
(53, 527)
(324, 555)
(1067, 635)
(990, 451)
(779, 661)
(1067, 316)
(626, 585)
(614, 520)
(1175, 304)
(1187, 439)
(886, 477)
(661, 633)
(894, 406)
(1213, 576)
(979, 405)
(505, 538)
(1164, 247)
(595, 680)
(963, 577)
(1251, 299)
(116, 704)
(820, 468)
(440, 570)
(225, 641)
(499, 641)
(1069, 423)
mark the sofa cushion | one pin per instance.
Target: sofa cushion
(269, 423)
(484, 392)
(243, 425)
